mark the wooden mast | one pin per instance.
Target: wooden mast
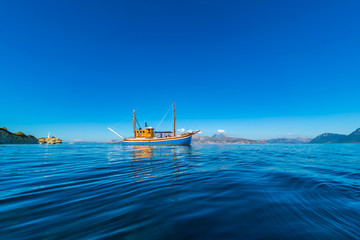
(134, 126)
(174, 117)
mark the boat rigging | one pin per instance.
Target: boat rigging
(148, 135)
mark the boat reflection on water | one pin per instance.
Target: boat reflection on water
(142, 152)
(152, 161)
(142, 169)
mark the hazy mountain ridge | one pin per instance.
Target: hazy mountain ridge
(221, 138)
(114, 141)
(353, 137)
(219, 135)
(298, 140)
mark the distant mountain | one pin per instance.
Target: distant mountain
(299, 140)
(221, 138)
(83, 142)
(329, 138)
(114, 141)
(353, 137)
(219, 135)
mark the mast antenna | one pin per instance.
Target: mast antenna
(174, 117)
(134, 124)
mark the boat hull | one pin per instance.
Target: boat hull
(181, 140)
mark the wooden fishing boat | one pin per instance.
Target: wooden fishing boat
(148, 135)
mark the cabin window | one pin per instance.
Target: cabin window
(149, 130)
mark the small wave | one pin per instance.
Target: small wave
(180, 192)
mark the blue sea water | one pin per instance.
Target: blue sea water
(180, 192)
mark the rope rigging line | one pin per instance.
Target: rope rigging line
(138, 122)
(164, 117)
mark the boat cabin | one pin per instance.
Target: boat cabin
(163, 134)
(148, 132)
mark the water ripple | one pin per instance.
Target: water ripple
(180, 192)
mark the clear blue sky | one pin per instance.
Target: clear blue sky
(256, 69)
